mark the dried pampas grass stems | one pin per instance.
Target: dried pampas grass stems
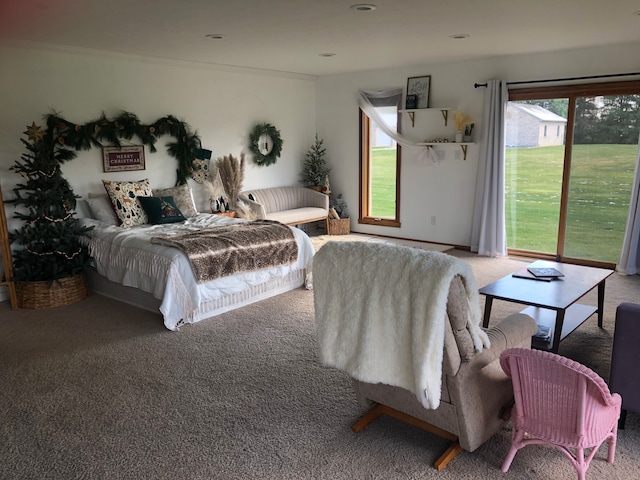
(232, 175)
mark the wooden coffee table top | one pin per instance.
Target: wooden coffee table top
(556, 294)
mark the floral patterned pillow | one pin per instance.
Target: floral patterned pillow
(123, 196)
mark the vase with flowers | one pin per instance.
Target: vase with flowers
(460, 121)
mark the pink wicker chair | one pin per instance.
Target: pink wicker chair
(562, 403)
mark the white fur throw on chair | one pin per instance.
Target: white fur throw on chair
(380, 312)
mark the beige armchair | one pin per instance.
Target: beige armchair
(475, 395)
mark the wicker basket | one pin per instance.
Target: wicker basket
(338, 226)
(46, 295)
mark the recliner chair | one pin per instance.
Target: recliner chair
(475, 396)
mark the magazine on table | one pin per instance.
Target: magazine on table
(524, 273)
(546, 272)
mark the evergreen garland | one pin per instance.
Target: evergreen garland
(126, 126)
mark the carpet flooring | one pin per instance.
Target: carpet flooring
(101, 390)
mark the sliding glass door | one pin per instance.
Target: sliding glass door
(571, 154)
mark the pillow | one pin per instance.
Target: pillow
(123, 196)
(181, 196)
(101, 209)
(161, 210)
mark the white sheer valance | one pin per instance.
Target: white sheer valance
(371, 101)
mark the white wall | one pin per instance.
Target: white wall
(222, 105)
(445, 190)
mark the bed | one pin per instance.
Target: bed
(130, 267)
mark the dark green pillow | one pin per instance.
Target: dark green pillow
(161, 210)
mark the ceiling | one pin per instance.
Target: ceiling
(290, 35)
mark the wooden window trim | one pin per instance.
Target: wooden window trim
(567, 91)
(571, 92)
(365, 175)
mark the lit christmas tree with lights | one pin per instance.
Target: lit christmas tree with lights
(50, 245)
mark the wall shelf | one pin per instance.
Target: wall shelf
(443, 110)
(462, 145)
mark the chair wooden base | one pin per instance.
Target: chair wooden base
(379, 409)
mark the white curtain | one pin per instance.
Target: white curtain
(630, 257)
(488, 231)
(369, 102)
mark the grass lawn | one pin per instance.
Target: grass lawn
(383, 182)
(599, 194)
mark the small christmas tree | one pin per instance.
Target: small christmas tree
(314, 169)
(51, 248)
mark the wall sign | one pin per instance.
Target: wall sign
(419, 86)
(121, 159)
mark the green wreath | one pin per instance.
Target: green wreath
(259, 157)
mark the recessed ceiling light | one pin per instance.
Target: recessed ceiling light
(459, 36)
(215, 36)
(363, 7)
(328, 54)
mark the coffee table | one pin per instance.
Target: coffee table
(551, 303)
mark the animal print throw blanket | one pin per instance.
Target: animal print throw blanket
(221, 251)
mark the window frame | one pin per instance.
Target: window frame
(571, 92)
(364, 214)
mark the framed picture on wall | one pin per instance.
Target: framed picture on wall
(121, 159)
(419, 86)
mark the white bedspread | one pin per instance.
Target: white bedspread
(127, 257)
(380, 313)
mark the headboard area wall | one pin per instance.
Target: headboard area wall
(220, 104)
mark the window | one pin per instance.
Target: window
(379, 169)
(568, 198)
